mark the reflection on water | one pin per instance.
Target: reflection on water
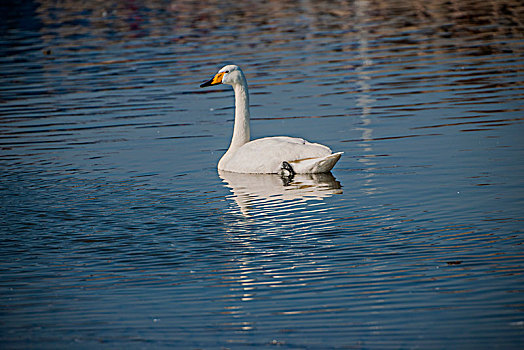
(364, 100)
(116, 232)
(288, 213)
(269, 192)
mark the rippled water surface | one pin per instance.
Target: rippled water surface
(117, 231)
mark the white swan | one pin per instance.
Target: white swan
(269, 155)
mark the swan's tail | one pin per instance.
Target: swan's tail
(315, 165)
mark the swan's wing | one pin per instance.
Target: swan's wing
(267, 154)
(315, 165)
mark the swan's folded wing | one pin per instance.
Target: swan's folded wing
(315, 165)
(267, 154)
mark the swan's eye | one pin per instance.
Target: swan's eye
(226, 71)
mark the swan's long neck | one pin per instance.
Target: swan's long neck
(241, 133)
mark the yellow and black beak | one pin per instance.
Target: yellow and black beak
(217, 79)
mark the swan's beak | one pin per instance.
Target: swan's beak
(217, 79)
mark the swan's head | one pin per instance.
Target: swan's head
(229, 74)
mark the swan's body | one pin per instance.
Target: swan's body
(269, 155)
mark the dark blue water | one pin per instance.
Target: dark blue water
(117, 231)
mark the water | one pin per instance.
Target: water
(118, 231)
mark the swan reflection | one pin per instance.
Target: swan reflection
(267, 191)
(278, 214)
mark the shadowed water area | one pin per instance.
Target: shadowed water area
(117, 231)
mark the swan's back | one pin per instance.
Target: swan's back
(266, 155)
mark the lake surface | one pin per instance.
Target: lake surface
(117, 231)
